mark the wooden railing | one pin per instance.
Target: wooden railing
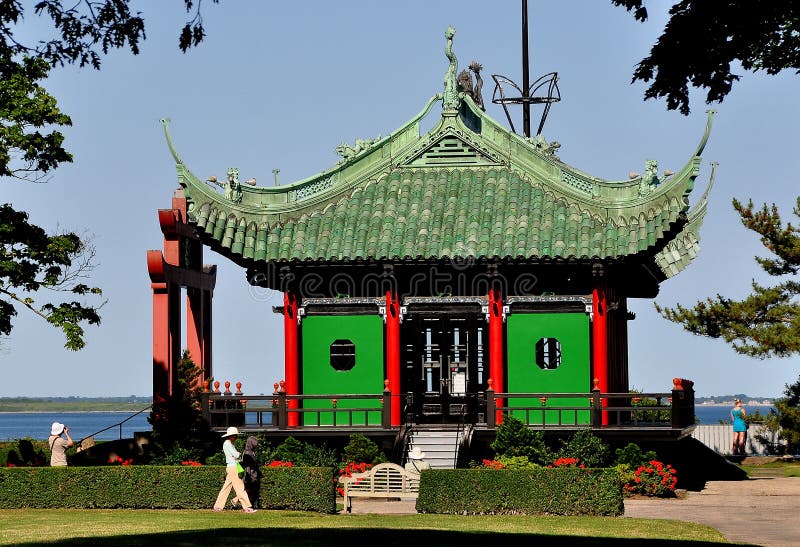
(674, 409)
(273, 411)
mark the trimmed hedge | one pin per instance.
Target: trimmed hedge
(298, 488)
(551, 491)
(158, 487)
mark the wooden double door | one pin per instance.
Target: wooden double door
(445, 367)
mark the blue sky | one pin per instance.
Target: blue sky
(278, 85)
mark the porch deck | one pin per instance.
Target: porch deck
(665, 415)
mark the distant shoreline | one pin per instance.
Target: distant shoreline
(44, 405)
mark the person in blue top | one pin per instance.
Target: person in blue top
(738, 415)
(232, 479)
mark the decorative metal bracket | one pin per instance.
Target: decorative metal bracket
(383, 310)
(546, 87)
(504, 312)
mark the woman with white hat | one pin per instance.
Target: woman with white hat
(232, 479)
(416, 461)
(58, 445)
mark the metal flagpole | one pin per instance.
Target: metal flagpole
(526, 105)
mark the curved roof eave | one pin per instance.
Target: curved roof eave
(685, 247)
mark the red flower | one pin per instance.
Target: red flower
(567, 462)
(654, 479)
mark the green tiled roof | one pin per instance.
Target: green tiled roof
(464, 189)
(434, 213)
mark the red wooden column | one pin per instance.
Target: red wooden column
(179, 264)
(166, 326)
(161, 343)
(198, 329)
(208, 315)
(496, 347)
(291, 361)
(166, 308)
(393, 353)
(600, 341)
(194, 329)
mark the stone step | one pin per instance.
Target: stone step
(440, 445)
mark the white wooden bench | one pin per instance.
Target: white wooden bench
(385, 480)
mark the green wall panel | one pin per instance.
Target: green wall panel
(319, 377)
(523, 330)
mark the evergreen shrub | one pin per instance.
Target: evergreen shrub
(591, 450)
(158, 487)
(516, 462)
(633, 456)
(302, 454)
(513, 439)
(361, 448)
(551, 491)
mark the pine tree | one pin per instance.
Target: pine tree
(788, 417)
(178, 422)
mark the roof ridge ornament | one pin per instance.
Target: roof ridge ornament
(165, 123)
(361, 145)
(450, 99)
(709, 119)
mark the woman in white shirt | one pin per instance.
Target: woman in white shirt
(232, 479)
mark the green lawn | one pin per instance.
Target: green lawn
(773, 469)
(143, 527)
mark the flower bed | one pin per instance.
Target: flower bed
(653, 479)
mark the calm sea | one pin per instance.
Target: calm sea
(712, 414)
(36, 425)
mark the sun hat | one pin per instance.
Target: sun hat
(231, 432)
(56, 428)
(416, 454)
